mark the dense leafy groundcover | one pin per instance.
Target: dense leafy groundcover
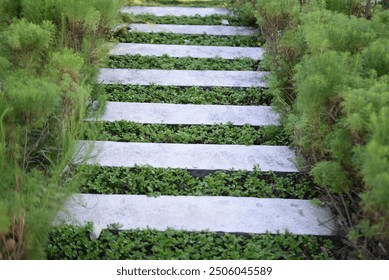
(181, 39)
(185, 20)
(186, 95)
(182, 63)
(124, 131)
(153, 245)
(170, 181)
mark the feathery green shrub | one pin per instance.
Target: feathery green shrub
(342, 94)
(326, 30)
(376, 57)
(81, 25)
(330, 79)
(46, 58)
(319, 80)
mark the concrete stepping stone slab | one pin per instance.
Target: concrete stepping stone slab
(216, 30)
(185, 51)
(201, 158)
(201, 78)
(199, 213)
(188, 114)
(175, 11)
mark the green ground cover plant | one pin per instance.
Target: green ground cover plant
(169, 181)
(330, 79)
(181, 39)
(182, 63)
(153, 245)
(186, 95)
(124, 131)
(183, 20)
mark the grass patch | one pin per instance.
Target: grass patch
(125, 131)
(186, 95)
(152, 181)
(182, 39)
(70, 242)
(183, 63)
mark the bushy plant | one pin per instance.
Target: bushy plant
(370, 125)
(380, 23)
(8, 10)
(376, 57)
(90, 14)
(276, 20)
(38, 124)
(319, 82)
(331, 174)
(45, 56)
(375, 164)
(358, 8)
(80, 24)
(31, 100)
(28, 43)
(320, 79)
(360, 103)
(326, 30)
(330, 75)
(337, 97)
(347, 7)
(245, 11)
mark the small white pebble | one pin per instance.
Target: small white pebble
(95, 233)
(225, 22)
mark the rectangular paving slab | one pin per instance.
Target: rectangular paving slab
(175, 11)
(196, 157)
(201, 78)
(185, 51)
(216, 30)
(188, 114)
(198, 213)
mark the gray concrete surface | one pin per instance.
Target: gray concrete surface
(161, 113)
(174, 11)
(216, 30)
(185, 50)
(200, 78)
(197, 213)
(197, 157)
